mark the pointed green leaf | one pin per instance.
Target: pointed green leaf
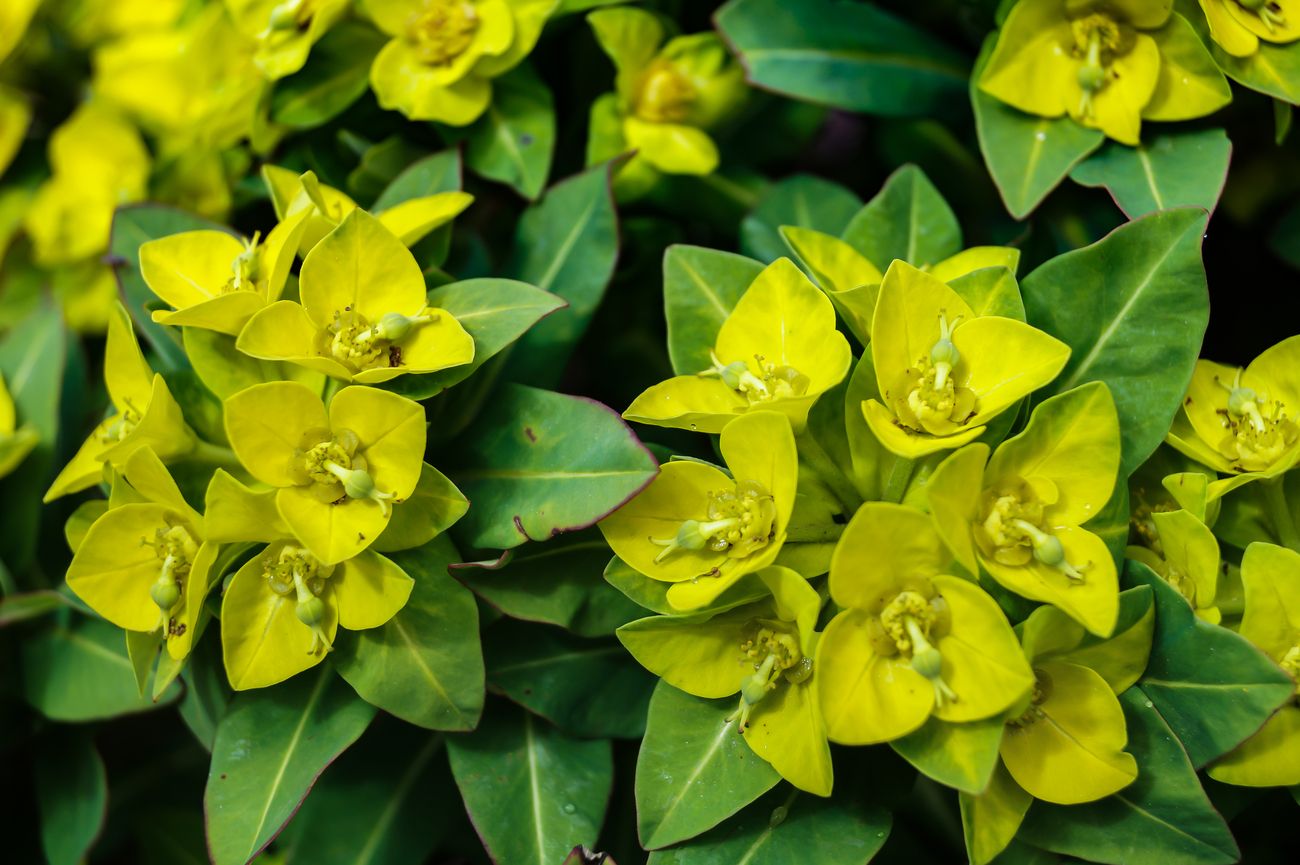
(71, 792)
(270, 748)
(537, 463)
(1212, 687)
(701, 287)
(514, 140)
(438, 172)
(961, 756)
(425, 665)
(1133, 308)
(693, 771)
(532, 792)
(1163, 816)
(1273, 70)
(1174, 170)
(844, 55)
(336, 74)
(908, 219)
(801, 200)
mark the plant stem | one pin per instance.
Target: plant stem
(207, 452)
(900, 475)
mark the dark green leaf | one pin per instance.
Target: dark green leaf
(1133, 308)
(270, 748)
(693, 771)
(701, 286)
(802, 200)
(425, 665)
(962, 756)
(532, 792)
(1163, 816)
(336, 74)
(585, 687)
(845, 55)
(440, 172)
(514, 140)
(908, 219)
(537, 463)
(72, 792)
(1174, 170)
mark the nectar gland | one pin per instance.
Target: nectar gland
(331, 465)
(739, 522)
(443, 31)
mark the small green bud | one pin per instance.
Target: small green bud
(1091, 77)
(928, 662)
(165, 593)
(311, 611)
(1048, 549)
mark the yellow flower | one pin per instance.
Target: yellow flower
(773, 640)
(411, 220)
(1241, 421)
(1188, 560)
(145, 414)
(702, 530)
(777, 350)
(282, 609)
(1271, 757)
(445, 53)
(144, 565)
(98, 163)
(1020, 515)
(15, 442)
(1238, 25)
(364, 315)
(910, 641)
(337, 473)
(285, 30)
(666, 94)
(215, 280)
(92, 21)
(944, 372)
(1109, 64)
(14, 18)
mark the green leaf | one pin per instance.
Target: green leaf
(494, 312)
(1163, 816)
(80, 672)
(381, 163)
(1133, 308)
(270, 748)
(1273, 69)
(555, 583)
(425, 665)
(567, 243)
(991, 291)
(693, 771)
(1027, 156)
(962, 756)
(336, 74)
(787, 826)
(908, 219)
(1210, 685)
(701, 287)
(585, 687)
(844, 55)
(72, 793)
(440, 172)
(133, 226)
(380, 804)
(207, 692)
(532, 792)
(802, 200)
(34, 605)
(653, 594)
(537, 463)
(514, 140)
(1174, 170)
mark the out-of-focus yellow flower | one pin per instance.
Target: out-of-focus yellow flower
(1238, 25)
(15, 442)
(285, 30)
(445, 53)
(14, 18)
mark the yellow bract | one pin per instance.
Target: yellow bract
(145, 414)
(701, 530)
(337, 473)
(282, 609)
(215, 280)
(14, 17)
(1107, 64)
(777, 350)
(144, 565)
(444, 53)
(762, 651)
(285, 30)
(1271, 757)
(1237, 27)
(15, 442)
(910, 641)
(1019, 517)
(1188, 559)
(943, 372)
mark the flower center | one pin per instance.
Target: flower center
(121, 425)
(740, 522)
(175, 547)
(355, 342)
(1098, 40)
(1042, 689)
(329, 463)
(443, 31)
(663, 95)
(908, 624)
(927, 397)
(1258, 430)
(772, 381)
(1268, 11)
(1011, 531)
(296, 571)
(244, 268)
(772, 648)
